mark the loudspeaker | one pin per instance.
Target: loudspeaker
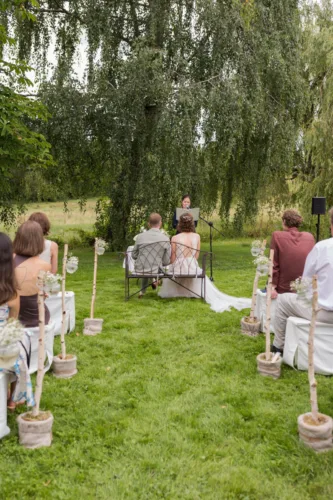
(318, 206)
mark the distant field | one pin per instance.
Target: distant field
(62, 222)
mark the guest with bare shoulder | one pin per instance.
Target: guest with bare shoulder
(28, 245)
(50, 252)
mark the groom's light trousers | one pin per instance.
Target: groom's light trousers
(288, 305)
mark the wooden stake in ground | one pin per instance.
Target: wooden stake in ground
(92, 309)
(255, 286)
(63, 305)
(41, 341)
(312, 380)
(268, 306)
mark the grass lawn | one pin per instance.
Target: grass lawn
(168, 404)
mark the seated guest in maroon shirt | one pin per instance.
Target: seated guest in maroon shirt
(291, 248)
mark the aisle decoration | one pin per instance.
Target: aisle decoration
(64, 365)
(269, 364)
(93, 326)
(315, 429)
(250, 325)
(52, 284)
(10, 334)
(35, 427)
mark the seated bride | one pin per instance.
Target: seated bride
(185, 250)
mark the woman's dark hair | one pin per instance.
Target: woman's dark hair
(8, 284)
(186, 224)
(185, 196)
(29, 239)
(42, 220)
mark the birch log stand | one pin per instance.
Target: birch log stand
(64, 365)
(250, 325)
(269, 364)
(93, 326)
(35, 427)
(315, 429)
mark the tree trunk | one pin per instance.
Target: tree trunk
(41, 349)
(63, 291)
(268, 306)
(255, 285)
(312, 380)
(92, 309)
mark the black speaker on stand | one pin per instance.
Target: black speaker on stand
(318, 208)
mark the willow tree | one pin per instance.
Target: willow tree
(22, 149)
(201, 96)
(314, 172)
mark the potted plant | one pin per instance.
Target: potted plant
(35, 427)
(93, 326)
(64, 365)
(269, 364)
(250, 325)
(314, 428)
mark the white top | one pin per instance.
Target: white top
(320, 262)
(4, 312)
(46, 254)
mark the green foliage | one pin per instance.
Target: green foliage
(167, 403)
(204, 97)
(22, 150)
(315, 168)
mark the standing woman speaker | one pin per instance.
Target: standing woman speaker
(186, 203)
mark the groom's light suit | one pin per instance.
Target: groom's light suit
(151, 251)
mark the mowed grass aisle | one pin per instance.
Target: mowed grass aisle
(168, 404)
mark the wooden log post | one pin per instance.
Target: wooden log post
(311, 374)
(268, 306)
(255, 286)
(41, 346)
(63, 304)
(92, 309)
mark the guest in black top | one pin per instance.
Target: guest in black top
(186, 203)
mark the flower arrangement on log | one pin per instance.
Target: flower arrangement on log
(314, 428)
(64, 365)
(250, 325)
(35, 427)
(269, 364)
(93, 326)
(11, 332)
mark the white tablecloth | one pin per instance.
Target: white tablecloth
(261, 310)
(53, 302)
(130, 259)
(49, 338)
(295, 352)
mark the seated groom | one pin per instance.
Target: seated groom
(319, 262)
(291, 247)
(151, 251)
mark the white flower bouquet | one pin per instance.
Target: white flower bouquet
(72, 264)
(256, 248)
(303, 288)
(100, 246)
(10, 334)
(262, 263)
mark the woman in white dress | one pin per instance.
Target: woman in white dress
(50, 253)
(185, 250)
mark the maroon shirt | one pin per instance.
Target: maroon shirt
(291, 248)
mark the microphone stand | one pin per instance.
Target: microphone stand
(211, 227)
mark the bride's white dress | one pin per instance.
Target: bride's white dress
(186, 263)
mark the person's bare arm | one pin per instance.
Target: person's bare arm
(173, 251)
(198, 250)
(54, 257)
(14, 307)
